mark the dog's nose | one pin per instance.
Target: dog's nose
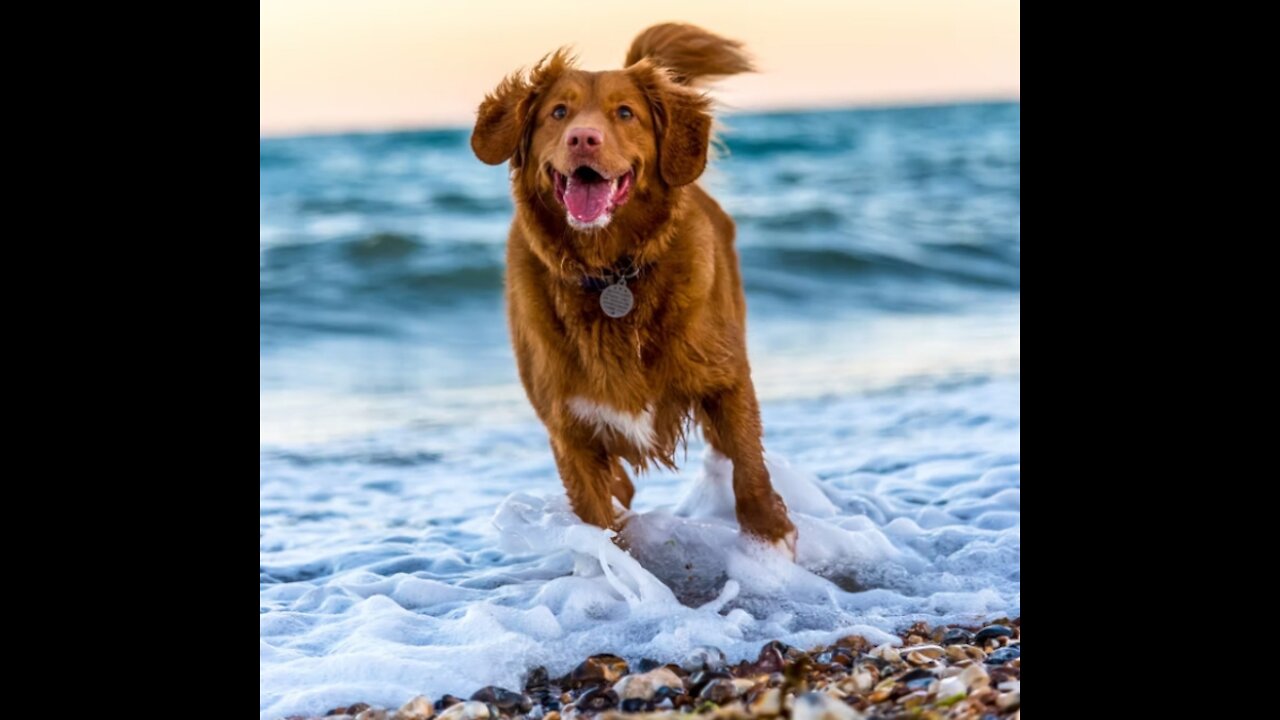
(584, 139)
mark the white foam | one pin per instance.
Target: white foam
(427, 585)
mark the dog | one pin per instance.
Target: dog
(623, 292)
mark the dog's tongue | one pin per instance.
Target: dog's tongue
(587, 201)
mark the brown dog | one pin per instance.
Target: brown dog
(623, 292)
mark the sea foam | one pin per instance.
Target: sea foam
(377, 614)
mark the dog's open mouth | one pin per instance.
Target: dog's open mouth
(589, 196)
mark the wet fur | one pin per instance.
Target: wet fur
(680, 355)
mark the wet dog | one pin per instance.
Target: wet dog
(623, 291)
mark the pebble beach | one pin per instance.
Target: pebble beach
(952, 672)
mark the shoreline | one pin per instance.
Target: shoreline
(947, 671)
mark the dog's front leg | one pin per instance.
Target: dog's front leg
(733, 420)
(588, 475)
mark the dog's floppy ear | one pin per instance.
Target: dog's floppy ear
(504, 122)
(682, 123)
(500, 121)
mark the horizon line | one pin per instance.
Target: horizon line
(889, 104)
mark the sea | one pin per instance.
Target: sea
(414, 535)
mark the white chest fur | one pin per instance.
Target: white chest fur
(637, 428)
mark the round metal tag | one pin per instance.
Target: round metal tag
(617, 300)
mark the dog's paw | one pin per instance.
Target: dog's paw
(787, 544)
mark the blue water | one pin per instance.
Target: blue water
(880, 251)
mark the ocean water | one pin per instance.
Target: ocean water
(415, 538)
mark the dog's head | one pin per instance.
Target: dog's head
(590, 150)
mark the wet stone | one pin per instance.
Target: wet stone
(598, 670)
(765, 703)
(646, 686)
(1004, 655)
(506, 701)
(469, 710)
(668, 692)
(820, 706)
(854, 643)
(957, 636)
(719, 691)
(703, 658)
(632, 705)
(537, 681)
(699, 680)
(419, 708)
(991, 632)
(447, 701)
(597, 699)
(771, 658)
(918, 679)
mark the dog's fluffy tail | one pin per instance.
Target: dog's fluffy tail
(689, 52)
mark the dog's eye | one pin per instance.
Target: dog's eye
(560, 112)
(625, 113)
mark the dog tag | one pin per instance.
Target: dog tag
(616, 300)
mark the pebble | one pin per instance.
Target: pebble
(975, 678)
(419, 708)
(510, 703)
(699, 679)
(766, 703)
(771, 658)
(859, 681)
(703, 658)
(447, 701)
(913, 699)
(880, 695)
(887, 652)
(991, 632)
(469, 710)
(537, 682)
(598, 670)
(940, 672)
(820, 706)
(933, 651)
(917, 679)
(1004, 655)
(645, 686)
(719, 691)
(919, 658)
(597, 699)
(950, 687)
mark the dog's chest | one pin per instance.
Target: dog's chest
(622, 393)
(636, 428)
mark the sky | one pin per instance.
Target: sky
(343, 65)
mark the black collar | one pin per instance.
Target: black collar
(624, 269)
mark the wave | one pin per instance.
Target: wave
(872, 208)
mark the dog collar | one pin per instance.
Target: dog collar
(620, 272)
(616, 300)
